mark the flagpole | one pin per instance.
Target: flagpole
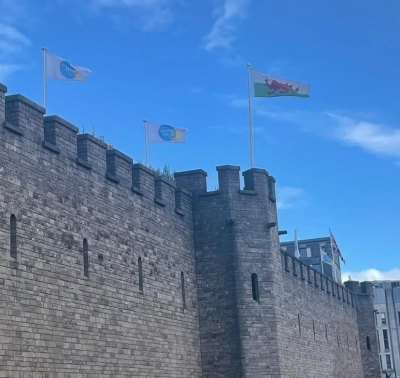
(250, 119)
(146, 138)
(44, 77)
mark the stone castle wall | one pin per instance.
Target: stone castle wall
(54, 321)
(320, 333)
(119, 273)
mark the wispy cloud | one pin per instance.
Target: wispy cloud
(12, 43)
(12, 34)
(289, 197)
(222, 33)
(8, 69)
(372, 137)
(372, 275)
(153, 14)
(352, 129)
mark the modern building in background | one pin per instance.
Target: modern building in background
(311, 252)
(387, 316)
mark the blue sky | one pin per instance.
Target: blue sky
(336, 155)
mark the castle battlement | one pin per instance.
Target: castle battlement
(256, 181)
(304, 273)
(57, 140)
(130, 274)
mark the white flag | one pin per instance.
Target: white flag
(325, 257)
(157, 133)
(60, 69)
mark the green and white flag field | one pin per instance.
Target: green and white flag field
(270, 86)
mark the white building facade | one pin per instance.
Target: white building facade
(387, 317)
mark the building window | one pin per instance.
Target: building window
(379, 343)
(368, 343)
(254, 287)
(383, 318)
(385, 339)
(140, 274)
(326, 331)
(183, 289)
(13, 236)
(398, 315)
(85, 258)
(380, 359)
(305, 252)
(388, 362)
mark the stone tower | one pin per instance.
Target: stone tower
(239, 272)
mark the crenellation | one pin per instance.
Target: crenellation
(286, 258)
(256, 179)
(293, 265)
(195, 181)
(164, 192)
(316, 278)
(296, 266)
(92, 151)
(271, 188)
(119, 168)
(62, 134)
(183, 201)
(228, 179)
(25, 115)
(3, 91)
(143, 181)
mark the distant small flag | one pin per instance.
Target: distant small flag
(60, 69)
(270, 86)
(325, 257)
(296, 245)
(334, 246)
(158, 133)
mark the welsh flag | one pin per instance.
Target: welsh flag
(269, 86)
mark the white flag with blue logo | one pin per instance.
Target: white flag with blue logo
(60, 69)
(325, 257)
(157, 133)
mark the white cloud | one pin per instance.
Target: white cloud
(12, 34)
(372, 275)
(354, 129)
(222, 33)
(12, 44)
(159, 17)
(8, 69)
(288, 197)
(372, 137)
(153, 13)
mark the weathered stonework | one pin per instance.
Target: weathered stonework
(193, 310)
